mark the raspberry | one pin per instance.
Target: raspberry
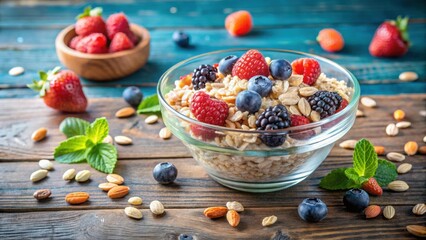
(308, 67)
(239, 23)
(74, 41)
(88, 25)
(208, 110)
(94, 43)
(117, 23)
(120, 42)
(203, 132)
(330, 40)
(252, 63)
(343, 104)
(297, 120)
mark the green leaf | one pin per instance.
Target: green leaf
(73, 126)
(365, 159)
(72, 150)
(150, 104)
(98, 130)
(86, 13)
(102, 157)
(385, 173)
(337, 180)
(353, 175)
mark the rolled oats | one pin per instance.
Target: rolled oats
(304, 107)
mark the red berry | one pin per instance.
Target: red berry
(90, 24)
(120, 42)
(372, 187)
(239, 23)
(117, 23)
(330, 40)
(94, 43)
(297, 120)
(203, 132)
(252, 63)
(343, 104)
(308, 67)
(208, 110)
(74, 41)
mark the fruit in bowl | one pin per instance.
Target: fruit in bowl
(103, 50)
(254, 124)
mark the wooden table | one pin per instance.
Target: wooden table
(102, 218)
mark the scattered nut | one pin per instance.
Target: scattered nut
(368, 102)
(419, 209)
(392, 130)
(38, 175)
(215, 212)
(156, 207)
(235, 206)
(118, 192)
(151, 119)
(394, 156)
(389, 212)
(165, 133)
(15, 71)
(115, 178)
(360, 113)
(39, 134)
(233, 218)
(348, 144)
(404, 168)
(424, 139)
(77, 197)
(42, 194)
(372, 211)
(133, 212)
(411, 148)
(403, 124)
(268, 221)
(125, 112)
(45, 164)
(69, 174)
(399, 115)
(135, 200)
(83, 176)
(422, 150)
(107, 186)
(398, 186)
(408, 76)
(422, 113)
(417, 230)
(380, 150)
(123, 140)
(108, 139)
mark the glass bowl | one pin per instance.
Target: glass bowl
(236, 158)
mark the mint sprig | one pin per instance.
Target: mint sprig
(366, 164)
(150, 104)
(85, 142)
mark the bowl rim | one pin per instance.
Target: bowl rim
(143, 43)
(351, 105)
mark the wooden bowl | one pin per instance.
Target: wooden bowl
(107, 66)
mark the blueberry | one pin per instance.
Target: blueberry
(227, 63)
(165, 173)
(248, 101)
(133, 96)
(185, 237)
(356, 200)
(181, 39)
(312, 210)
(260, 84)
(280, 69)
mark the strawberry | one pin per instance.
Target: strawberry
(90, 21)
(61, 90)
(391, 39)
(94, 43)
(252, 63)
(330, 40)
(74, 41)
(372, 187)
(239, 23)
(120, 42)
(116, 23)
(343, 104)
(309, 68)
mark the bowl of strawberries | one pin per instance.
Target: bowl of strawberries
(103, 50)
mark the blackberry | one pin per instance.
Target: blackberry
(325, 103)
(273, 118)
(202, 74)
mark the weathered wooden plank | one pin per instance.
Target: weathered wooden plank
(15, 142)
(113, 224)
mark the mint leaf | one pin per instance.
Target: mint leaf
(102, 157)
(365, 159)
(73, 126)
(98, 130)
(337, 180)
(353, 175)
(72, 150)
(150, 104)
(385, 173)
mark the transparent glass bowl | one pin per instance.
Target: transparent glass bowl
(257, 167)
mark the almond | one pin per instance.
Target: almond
(360, 113)
(39, 134)
(389, 212)
(115, 178)
(135, 200)
(133, 212)
(422, 150)
(42, 194)
(77, 197)
(411, 148)
(15, 71)
(417, 230)
(304, 107)
(38, 175)
(118, 192)
(368, 102)
(307, 91)
(235, 206)
(107, 186)
(151, 119)
(404, 168)
(123, 140)
(394, 156)
(422, 113)
(380, 150)
(403, 124)
(233, 218)
(315, 116)
(45, 164)
(215, 212)
(69, 174)
(156, 207)
(372, 211)
(83, 176)
(125, 112)
(419, 209)
(348, 144)
(399, 115)
(268, 221)
(391, 130)
(408, 76)
(398, 186)
(165, 133)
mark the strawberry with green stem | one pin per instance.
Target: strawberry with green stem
(90, 21)
(60, 90)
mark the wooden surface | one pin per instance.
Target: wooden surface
(28, 30)
(22, 217)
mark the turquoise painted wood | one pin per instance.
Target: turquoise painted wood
(27, 36)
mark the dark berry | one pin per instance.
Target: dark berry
(202, 75)
(356, 200)
(280, 69)
(226, 64)
(260, 84)
(248, 101)
(165, 173)
(325, 103)
(273, 118)
(181, 39)
(133, 96)
(185, 237)
(312, 210)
